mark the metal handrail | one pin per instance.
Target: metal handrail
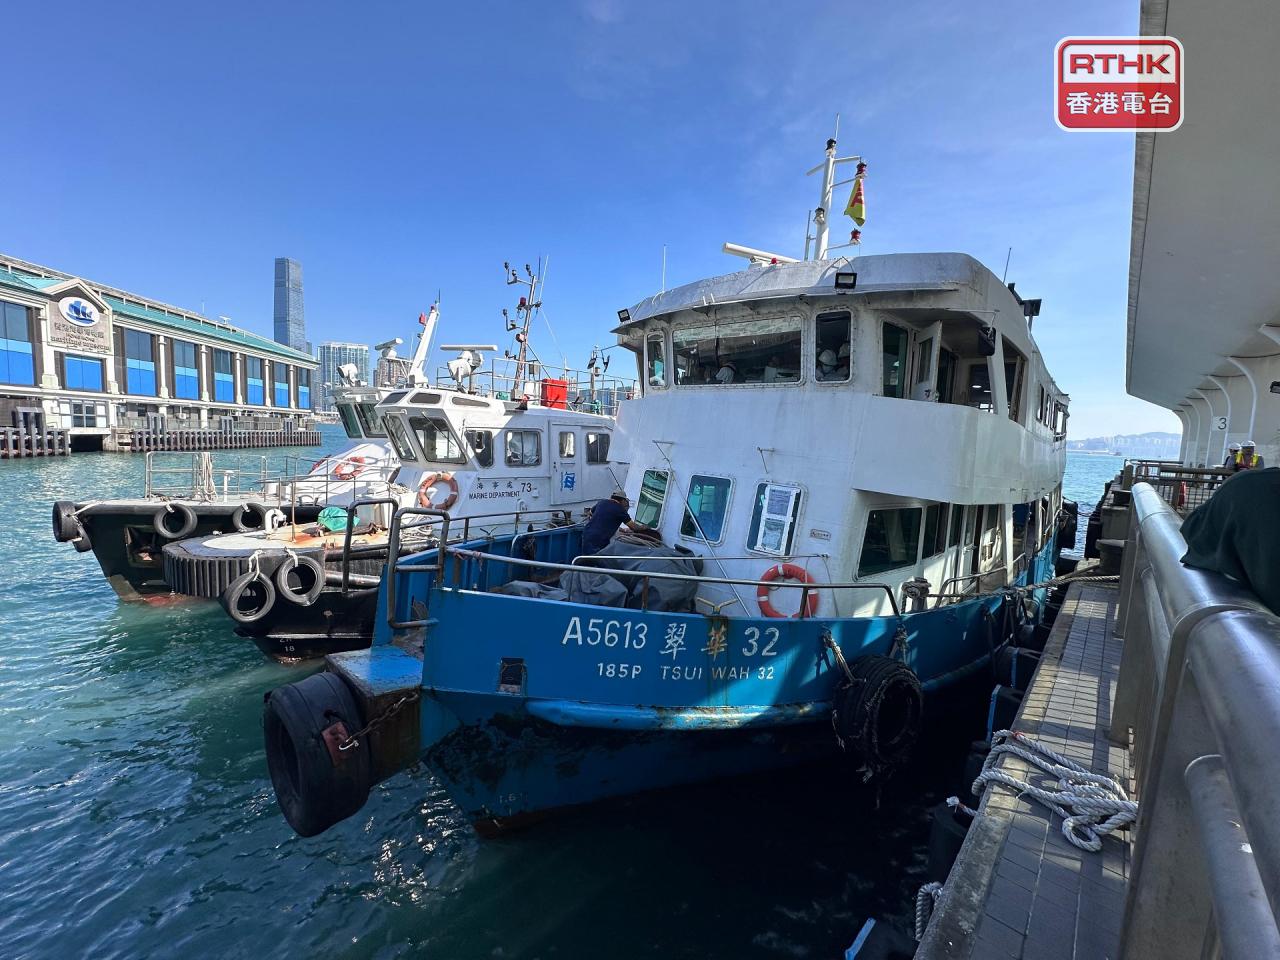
(346, 540)
(943, 592)
(1199, 699)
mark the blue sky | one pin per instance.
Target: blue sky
(396, 149)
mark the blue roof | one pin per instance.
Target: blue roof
(187, 323)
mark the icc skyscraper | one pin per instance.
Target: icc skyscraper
(290, 325)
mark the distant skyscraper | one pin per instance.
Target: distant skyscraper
(291, 326)
(332, 355)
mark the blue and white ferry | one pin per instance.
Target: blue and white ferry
(848, 462)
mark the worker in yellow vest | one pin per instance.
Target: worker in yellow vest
(1247, 457)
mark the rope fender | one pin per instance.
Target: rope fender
(1091, 805)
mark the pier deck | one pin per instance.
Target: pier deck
(1018, 888)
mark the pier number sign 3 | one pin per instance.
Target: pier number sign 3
(1118, 84)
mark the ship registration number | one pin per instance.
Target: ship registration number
(621, 635)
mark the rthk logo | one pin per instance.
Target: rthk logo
(1118, 83)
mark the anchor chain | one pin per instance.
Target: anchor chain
(354, 738)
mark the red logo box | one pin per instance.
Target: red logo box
(1118, 83)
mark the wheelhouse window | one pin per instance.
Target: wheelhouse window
(655, 360)
(81, 373)
(746, 351)
(979, 385)
(946, 375)
(1014, 370)
(481, 444)
(706, 508)
(17, 363)
(892, 540)
(224, 378)
(893, 358)
(653, 494)
(524, 448)
(186, 372)
(139, 363)
(304, 389)
(347, 414)
(773, 518)
(597, 448)
(957, 523)
(255, 390)
(370, 420)
(935, 529)
(438, 442)
(399, 437)
(566, 444)
(832, 348)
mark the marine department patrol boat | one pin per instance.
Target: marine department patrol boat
(855, 462)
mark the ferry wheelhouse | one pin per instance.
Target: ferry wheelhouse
(854, 468)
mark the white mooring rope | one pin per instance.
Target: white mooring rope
(1091, 805)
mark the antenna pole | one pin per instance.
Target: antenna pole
(822, 214)
(664, 268)
(1007, 257)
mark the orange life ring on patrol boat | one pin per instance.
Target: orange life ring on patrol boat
(350, 468)
(786, 571)
(429, 482)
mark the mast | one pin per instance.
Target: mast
(823, 213)
(524, 317)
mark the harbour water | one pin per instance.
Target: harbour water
(138, 819)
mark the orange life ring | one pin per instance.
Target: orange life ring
(786, 571)
(350, 468)
(428, 482)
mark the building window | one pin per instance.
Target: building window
(894, 342)
(281, 384)
(706, 508)
(481, 444)
(773, 518)
(81, 373)
(255, 384)
(597, 448)
(653, 494)
(84, 413)
(17, 365)
(832, 352)
(524, 448)
(304, 389)
(186, 371)
(139, 363)
(224, 377)
(438, 442)
(892, 540)
(748, 351)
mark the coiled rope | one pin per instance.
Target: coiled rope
(926, 899)
(1091, 805)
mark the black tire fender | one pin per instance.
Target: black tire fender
(184, 513)
(316, 786)
(66, 525)
(240, 588)
(250, 515)
(308, 572)
(878, 713)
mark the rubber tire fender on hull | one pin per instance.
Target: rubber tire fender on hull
(184, 529)
(878, 713)
(309, 574)
(241, 586)
(313, 790)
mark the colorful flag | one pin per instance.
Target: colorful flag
(856, 209)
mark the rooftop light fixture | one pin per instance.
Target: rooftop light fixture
(1275, 386)
(624, 315)
(846, 279)
(1030, 308)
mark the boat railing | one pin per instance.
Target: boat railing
(1184, 488)
(572, 389)
(197, 476)
(946, 594)
(1198, 700)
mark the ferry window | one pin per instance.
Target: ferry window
(438, 442)
(396, 397)
(224, 379)
(773, 518)
(427, 399)
(467, 402)
(946, 375)
(653, 494)
(524, 448)
(979, 386)
(706, 507)
(747, 351)
(924, 371)
(17, 364)
(400, 438)
(370, 419)
(893, 358)
(957, 522)
(935, 530)
(892, 540)
(481, 444)
(566, 444)
(81, 373)
(349, 423)
(1014, 366)
(597, 448)
(831, 348)
(656, 371)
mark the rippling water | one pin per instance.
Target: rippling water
(137, 820)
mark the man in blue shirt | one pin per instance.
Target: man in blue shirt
(606, 517)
